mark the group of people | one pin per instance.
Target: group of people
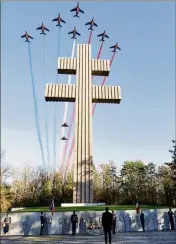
(108, 222)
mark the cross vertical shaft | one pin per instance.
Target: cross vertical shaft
(82, 188)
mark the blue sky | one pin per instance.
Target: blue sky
(141, 127)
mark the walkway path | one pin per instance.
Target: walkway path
(120, 238)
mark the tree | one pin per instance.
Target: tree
(172, 166)
(5, 170)
(6, 195)
(133, 180)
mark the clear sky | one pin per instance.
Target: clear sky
(141, 127)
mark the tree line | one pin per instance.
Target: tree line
(134, 181)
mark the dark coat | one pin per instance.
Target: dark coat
(74, 219)
(107, 219)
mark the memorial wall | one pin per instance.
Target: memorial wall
(89, 222)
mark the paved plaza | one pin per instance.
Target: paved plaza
(165, 237)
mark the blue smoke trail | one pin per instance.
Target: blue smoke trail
(55, 106)
(35, 107)
(46, 112)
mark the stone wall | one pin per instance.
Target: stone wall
(89, 222)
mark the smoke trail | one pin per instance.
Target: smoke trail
(66, 109)
(55, 105)
(70, 154)
(46, 113)
(100, 50)
(103, 82)
(72, 144)
(35, 106)
(90, 37)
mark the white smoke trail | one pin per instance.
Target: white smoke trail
(66, 109)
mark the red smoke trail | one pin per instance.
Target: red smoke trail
(72, 117)
(72, 144)
(100, 50)
(90, 37)
(103, 82)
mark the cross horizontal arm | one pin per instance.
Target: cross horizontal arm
(106, 94)
(100, 67)
(60, 93)
(67, 66)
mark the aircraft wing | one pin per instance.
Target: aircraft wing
(23, 36)
(30, 37)
(100, 34)
(88, 23)
(63, 21)
(95, 24)
(106, 36)
(74, 9)
(56, 19)
(113, 46)
(118, 47)
(71, 32)
(46, 29)
(77, 33)
(81, 11)
(39, 28)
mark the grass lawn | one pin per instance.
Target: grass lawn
(92, 208)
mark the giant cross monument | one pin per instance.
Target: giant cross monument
(83, 94)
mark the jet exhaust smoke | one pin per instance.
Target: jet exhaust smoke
(90, 37)
(35, 106)
(46, 112)
(55, 105)
(66, 111)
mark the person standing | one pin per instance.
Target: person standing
(7, 222)
(171, 218)
(142, 218)
(74, 221)
(42, 223)
(107, 220)
(113, 222)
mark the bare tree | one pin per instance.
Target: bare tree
(5, 169)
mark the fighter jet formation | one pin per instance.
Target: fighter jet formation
(27, 36)
(91, 23)
(42, 28)
(77, 10)
(74, 32)
(59, 20)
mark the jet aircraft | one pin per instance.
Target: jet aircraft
(64, 138)
(27, 36)
(74, 32)
(116, 46)
(77, 10)
(59, 20)
(103, 35)
(91, 23)
(42, 28)
(64, 125)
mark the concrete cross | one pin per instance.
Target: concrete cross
(84, 94)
